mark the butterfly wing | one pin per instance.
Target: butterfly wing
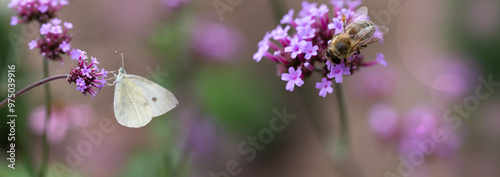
(160, 99)
(130, 105)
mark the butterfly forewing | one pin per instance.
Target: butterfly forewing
(159, 99)
(130, 106)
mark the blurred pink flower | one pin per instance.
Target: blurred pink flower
(63, 118)
(198, 133)
(384, 120)
(420, 123)
(200, 136)
(457, 77)
(420, 120)
(416, 130)
(216, 41)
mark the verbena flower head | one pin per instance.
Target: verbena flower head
(299, 44)
(55, 39)
(87, 76)
(39, 10)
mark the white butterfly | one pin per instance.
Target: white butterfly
(138, 100)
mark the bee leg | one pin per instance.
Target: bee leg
(343, 21)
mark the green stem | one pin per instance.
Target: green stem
(342, 146)
(45, 146)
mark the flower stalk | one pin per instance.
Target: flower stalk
(341, 147)
(32, 86)
(45, 146)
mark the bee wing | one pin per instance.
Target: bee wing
(366, 35)
(360, 14)
(381, 31)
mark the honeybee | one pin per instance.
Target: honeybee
(359, 33)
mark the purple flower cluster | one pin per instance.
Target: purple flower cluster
(87, 75)
(55, 40)
(301, 51)
(39, 10)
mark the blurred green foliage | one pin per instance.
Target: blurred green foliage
(485, 50)
(145, 163)
(238, 96)
(20, 171)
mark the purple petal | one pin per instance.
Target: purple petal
(319, 85)
(299, 82)
(285, 77)
(338, 78)
(290, 85)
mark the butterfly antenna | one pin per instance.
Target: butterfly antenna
(116, 52)
(122, 60)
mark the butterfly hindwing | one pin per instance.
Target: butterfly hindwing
(160, 99)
